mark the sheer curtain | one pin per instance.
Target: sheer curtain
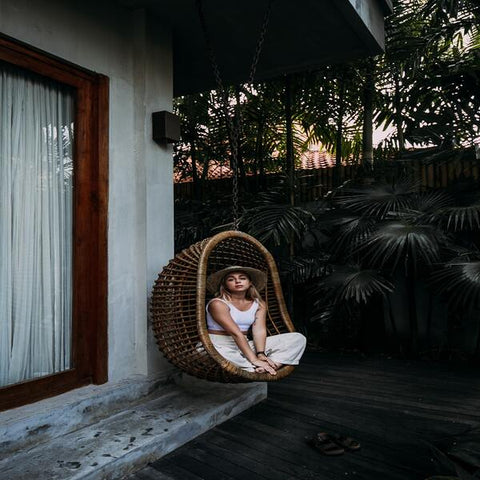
(36, 170)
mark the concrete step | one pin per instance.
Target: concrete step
(127, 440)
(30, 425)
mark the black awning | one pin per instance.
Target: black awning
(302, 35)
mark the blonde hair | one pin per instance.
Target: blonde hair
(250, 294)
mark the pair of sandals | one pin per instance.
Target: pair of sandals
(332, 444)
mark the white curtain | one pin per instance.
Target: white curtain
(36, 169)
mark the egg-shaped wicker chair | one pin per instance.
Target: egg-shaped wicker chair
(179, 298)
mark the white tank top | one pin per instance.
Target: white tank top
(243, 319)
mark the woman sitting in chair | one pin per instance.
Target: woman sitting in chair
(237, 306)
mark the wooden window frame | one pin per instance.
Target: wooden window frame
(90, 200)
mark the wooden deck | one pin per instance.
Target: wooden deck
(395, 409)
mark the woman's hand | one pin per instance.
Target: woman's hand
(263, 357)
(262, 366)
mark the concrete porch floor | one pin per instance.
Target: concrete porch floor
(106, 432)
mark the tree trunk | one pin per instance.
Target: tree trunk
(398, 115)
(259, 167)
(238, 121)
(290, 170)
(430, 321)
(412, 313)
(368, 94)
(339, 136)
(391, 315)
(290, 160)
(205, 166)
(373, 332)
(477, 347)
(193, 155)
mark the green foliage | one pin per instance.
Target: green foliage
(309, 266)
(430, 78)
(459, 281)
(352, 283)
(399, 244)
(195, 220)
(342, 252)
(350, 232)
(426, 86)
(276, 224)
(378, 201)
(461, 218)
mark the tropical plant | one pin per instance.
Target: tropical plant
(366, 239)
(431, 73)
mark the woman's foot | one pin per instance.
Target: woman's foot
(260, 370)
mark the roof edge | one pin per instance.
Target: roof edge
(386, 6)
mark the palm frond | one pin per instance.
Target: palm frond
(431, 201)
(351, 283)
(276, 224)
(378, 201)
(460, 283)
(324, 314)
(399, 243)
(350, 232)
(305, 268)
(426, 207)
(461, 218)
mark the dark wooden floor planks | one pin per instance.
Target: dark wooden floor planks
(396, 409)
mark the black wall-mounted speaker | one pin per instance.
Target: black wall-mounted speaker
(165, 127)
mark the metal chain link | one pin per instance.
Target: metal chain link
(235, 130)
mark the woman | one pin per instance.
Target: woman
(237, 306)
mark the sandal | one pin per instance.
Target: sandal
(347, 443)
(323, 443)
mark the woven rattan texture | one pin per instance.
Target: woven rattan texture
(178, 306)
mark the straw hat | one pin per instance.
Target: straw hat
(258, 278)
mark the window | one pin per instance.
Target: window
(53, 207)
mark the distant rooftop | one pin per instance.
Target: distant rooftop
(310, 160)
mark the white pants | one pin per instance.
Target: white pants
(285, 348)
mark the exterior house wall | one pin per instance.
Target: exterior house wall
(134, 51)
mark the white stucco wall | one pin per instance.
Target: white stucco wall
(134, 51)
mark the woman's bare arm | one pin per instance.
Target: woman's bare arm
(221, 314)
(259, 328)
(259, 332)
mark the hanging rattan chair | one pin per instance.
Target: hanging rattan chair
(179, 299)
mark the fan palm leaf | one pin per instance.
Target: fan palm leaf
(400, 243)
(461, 218)
(436, 208)
(305, 268)
(426, 207)
(378, 201)
(431, 201)
(350, 232)
(276, 224)
(351, 283)
(460, 282)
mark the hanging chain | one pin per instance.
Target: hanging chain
(235, 130)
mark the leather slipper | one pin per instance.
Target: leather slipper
(322, 442)
(347, 443)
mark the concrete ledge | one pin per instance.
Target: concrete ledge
(126, 441)
(47, 419)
